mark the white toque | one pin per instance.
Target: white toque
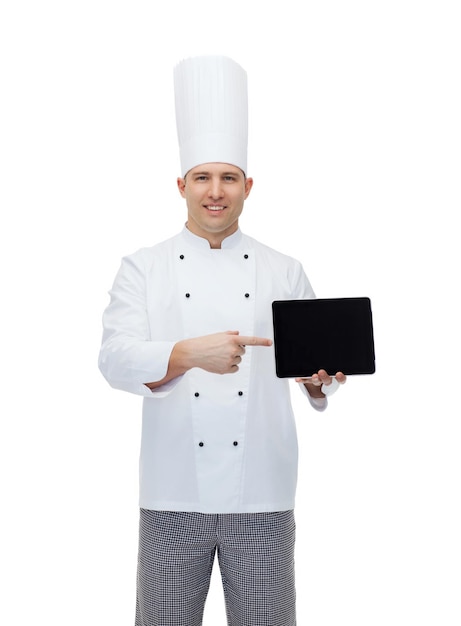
(211, 99)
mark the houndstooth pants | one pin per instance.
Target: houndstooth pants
(256, 559)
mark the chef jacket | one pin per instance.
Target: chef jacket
(210, 443)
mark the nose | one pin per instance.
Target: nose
(215, 190)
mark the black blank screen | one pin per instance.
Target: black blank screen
(335, 334)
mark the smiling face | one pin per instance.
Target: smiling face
(214, 194)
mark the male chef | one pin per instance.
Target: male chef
(189, 328)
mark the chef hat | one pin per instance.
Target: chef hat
(211, 112)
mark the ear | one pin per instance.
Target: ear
(181, 185)
(248, 186)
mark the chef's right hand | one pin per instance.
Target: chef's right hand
(220, 353)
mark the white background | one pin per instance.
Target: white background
(355, 150)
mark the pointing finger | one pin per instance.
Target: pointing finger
(253, 341)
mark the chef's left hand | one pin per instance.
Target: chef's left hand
(314, 383)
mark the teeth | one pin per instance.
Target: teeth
(215, 208)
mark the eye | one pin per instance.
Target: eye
(229, 178)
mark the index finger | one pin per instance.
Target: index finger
(252, 341)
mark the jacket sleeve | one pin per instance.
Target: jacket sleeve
(301, 288)
(128, 357)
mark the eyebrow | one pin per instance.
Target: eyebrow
(202, 172)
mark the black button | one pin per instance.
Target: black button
(240, 393)
(201, 444)
(187, 295)
(181, 256)
(196, 394)
(247, 295)
(236, 443)
(245, 256)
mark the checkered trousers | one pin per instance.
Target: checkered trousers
(256, 558)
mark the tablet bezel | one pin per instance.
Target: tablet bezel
(335, 334)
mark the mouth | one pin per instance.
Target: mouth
(215, 208)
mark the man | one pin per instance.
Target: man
(189, 327)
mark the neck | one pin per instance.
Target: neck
(214, 239)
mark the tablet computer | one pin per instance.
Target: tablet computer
(334, 334)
